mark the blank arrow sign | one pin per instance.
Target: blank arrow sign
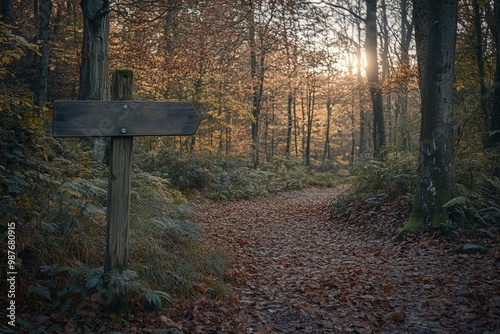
(124, 118)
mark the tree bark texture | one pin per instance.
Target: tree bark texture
(480, 67)
(44, 12)
(254, 68)
(359, 79)
(436, 172)
(326, 151)
(421, 21)
(494, 136)
(311, 96)
(373, 78)
(94, 69)
(402, 99)
(289, 118)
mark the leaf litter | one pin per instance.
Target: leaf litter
(301, 268)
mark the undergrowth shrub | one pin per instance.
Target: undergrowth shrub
(168, 255)
(476, 208)
(474, 212)
(81, 289)
(394, 177)
(239, 183)
(225, 177)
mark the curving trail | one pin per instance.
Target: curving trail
(301, 272)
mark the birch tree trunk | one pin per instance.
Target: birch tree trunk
(436, 172)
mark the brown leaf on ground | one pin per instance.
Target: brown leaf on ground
(308, 270)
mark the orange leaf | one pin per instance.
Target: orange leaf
(397, 317)
(70, 327)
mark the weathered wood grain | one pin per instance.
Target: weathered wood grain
(125, 118)
(120, 167)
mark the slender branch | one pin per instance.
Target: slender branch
(349, 10)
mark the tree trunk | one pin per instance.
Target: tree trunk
(303, 126)
(290, 69)
(389, 129)
(296, 127)
(254, 75)
(289, 125)
(421, 21)
(359, 79)
(311, 95)
(373, 78)
(273, 127)
(94, 70)
(480, 68)
(44, 12)
(436, 172)
(326, 151)
(494, 137)
(402, 99)
(6, 11)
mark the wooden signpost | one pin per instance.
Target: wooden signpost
(122, 119)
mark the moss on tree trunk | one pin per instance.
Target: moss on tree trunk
(436, 172)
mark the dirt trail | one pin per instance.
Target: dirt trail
(300, 272)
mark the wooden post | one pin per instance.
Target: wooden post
(120, 162)
(121, 119)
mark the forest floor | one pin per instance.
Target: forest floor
(299, 269)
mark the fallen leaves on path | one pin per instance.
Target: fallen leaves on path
(299, 270)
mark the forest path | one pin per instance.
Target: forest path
(301, 272)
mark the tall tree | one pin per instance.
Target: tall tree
(94, 67)
(326, 150)
(254, 75)
(310, 99)
(94, 70)
(494, 137)
(44, 12)
(404, 61)
(359, 79)
(289, 26)
(385, 66)
(373, 77)
(436, 172)
(421, 20)
(480, 66)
